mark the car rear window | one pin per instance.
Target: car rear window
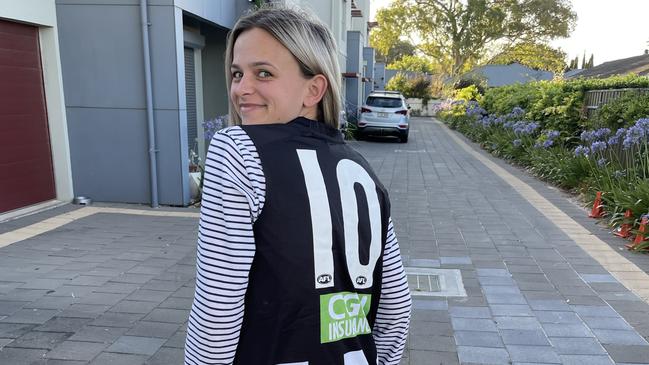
(382, 102)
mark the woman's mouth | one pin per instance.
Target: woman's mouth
(247, 107)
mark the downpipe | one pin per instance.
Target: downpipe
(153, 161)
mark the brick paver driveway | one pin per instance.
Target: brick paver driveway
(115, 287)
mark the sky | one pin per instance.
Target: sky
(610, 29)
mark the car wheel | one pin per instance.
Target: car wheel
(403, 139)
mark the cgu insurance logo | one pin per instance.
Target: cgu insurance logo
(343, 315)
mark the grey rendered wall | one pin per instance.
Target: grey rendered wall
(221, 12)
(215, 93)
(368, 60)
(379, 76)
(102, 67)
(354, 59)
(388, 75)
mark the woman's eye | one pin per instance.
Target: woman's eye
(264, 74)
(237, 74)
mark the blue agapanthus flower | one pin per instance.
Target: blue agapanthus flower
(601, 162)
(601, 133)
(531, 127)
(635, 134)
(614, 140)
(548, 143)
(474, 109)
(517, 142)
(553, 134)
(582, 151)
(598, 146)
(517, 112)
(643, 123)
(587, 136)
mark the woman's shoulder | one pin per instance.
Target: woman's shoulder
(236, 137)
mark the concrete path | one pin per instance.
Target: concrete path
(105, 285)
(534, 295)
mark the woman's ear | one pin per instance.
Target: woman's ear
(315, 91)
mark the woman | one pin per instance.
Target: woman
(297, 258)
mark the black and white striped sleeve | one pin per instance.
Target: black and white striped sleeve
(233, 197)
(393, 315)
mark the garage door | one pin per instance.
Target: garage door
(26, 175)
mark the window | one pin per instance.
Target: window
(382, 102)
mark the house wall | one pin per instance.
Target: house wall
(360, 23)
(354, 66)
(368, 66)
(103, 75)
(42, 13)
(215, 93)
(222, 12)
(337, 15)
(379, 76)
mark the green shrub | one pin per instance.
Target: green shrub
(555, 104)
(501, 100)
(558, 107)
(560, 166)
(623, 112)
(468, 93)
(415, 87)
(472, 80)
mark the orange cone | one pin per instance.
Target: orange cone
(624, 230)
(640, 237)
(597, 210)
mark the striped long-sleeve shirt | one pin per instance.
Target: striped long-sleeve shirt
(234, 193)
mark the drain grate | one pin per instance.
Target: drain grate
(424, 283)
(429, 282)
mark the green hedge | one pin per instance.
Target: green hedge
(555, 104)
(623, 112)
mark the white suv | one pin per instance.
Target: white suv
(385, 113)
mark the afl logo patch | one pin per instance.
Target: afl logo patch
(360, 280)
(324, 279)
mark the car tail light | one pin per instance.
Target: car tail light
(403, 112)
(365, 110)
(403, 125)
(360, 124)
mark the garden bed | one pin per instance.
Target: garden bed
(541, 127)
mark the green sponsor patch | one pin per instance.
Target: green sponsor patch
(343, 315)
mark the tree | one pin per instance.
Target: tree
(459, 33)
(591, 61)
(575, 63)
(413, 63)
(388, 40)
(534, 55)
(395, 52)
(416, 87)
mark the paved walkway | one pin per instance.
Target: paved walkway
(113, 286)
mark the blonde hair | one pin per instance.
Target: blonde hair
(308, 40)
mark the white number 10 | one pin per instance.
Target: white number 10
(348, 174)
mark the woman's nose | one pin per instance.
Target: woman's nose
(244, 86)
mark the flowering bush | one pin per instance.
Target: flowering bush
(211, 126)
(593, 160)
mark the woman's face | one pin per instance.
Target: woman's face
(267, 84)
